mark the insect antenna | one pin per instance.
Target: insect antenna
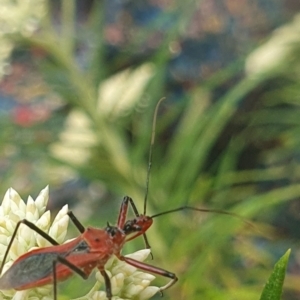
(150, 153)
(217, 211)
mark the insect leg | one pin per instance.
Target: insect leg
(76, 222)
(123, 215)
(152, 269)
(65, 262)
(107, 284)
(123, 212)
(31, 226)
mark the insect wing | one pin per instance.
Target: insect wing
(28, 270)
(35, 268)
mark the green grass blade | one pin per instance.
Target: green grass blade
(273, 288)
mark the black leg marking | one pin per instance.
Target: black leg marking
(76, 222)
(107, 284)
(71, 266)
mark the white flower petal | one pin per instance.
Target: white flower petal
(13, 217)
(26, 236)
(123, 268)
(61, 214)
(21, 295)
(21, 214)
(143, 276)
(42, 200)
(148, 292)
(16, 250)
(43, 223)
(4, 240)
(117, 283)
(140, 255)
(32, 213)
(60, 224)
(99, 295)
(132, 290)
(9, 225)
(10, 196)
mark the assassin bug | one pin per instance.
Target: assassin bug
(90, 250)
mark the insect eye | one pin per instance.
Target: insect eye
(111, 230)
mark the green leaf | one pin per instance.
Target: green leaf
(273, 288)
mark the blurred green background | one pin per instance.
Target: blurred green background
(80, 80)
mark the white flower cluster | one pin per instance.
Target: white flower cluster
(127, 282)
(14, 209)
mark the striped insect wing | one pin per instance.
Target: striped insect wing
(28, 270)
